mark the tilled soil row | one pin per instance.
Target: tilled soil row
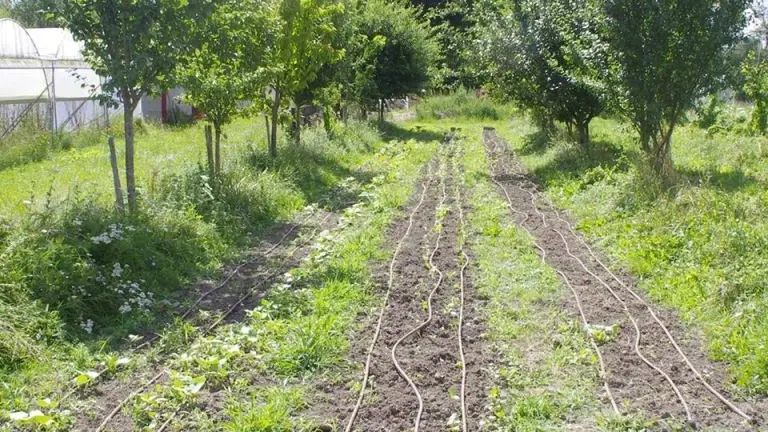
(636, 386)
(282, 250)
(430, 357)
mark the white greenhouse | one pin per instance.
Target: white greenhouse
(44, 78)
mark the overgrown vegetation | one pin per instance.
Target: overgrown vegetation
(302, 329)
(78, 278)
(462, 104)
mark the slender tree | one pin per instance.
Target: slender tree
(399, 48)
(135, 45)
(666, 54)
(303, 44)
(221, 74)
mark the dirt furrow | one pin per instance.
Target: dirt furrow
(429, 357)
(639, 385)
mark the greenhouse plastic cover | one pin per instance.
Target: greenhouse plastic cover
(41, 64)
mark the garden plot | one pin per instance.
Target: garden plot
(212, 305)
(650, 364)
(423, 353)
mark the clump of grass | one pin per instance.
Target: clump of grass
(271, 409)
(461, 104)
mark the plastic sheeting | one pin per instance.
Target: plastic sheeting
(38, 65)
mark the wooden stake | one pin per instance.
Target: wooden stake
(116, 175)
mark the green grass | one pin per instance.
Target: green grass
(461, 104)
(547, 374)
(699, 247)
(84, 166)
(301, 332)
(68, 271)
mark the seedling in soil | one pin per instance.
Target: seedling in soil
(604, 334)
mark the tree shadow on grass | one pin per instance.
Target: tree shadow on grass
(726, 181)
(315, 173)
(537, 142)
(394, 132)
(572, 161)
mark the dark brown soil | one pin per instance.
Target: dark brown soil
(431, 357)
(281, 250)
(635, 385)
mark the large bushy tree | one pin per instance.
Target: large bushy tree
(547, 57)
(136, 46)
(667, 54)
(400, 51)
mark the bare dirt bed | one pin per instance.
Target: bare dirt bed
(635, 385)
(429, 357)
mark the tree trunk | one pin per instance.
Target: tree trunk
(327, 125)
(217, 131)
(296, 127)
(119, 201)
(130, 171)
(266, 123)
(209, 150)
(275, 115)
(381, 111)
(662, 158)
(584, 141)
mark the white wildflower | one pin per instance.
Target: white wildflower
(87, 326)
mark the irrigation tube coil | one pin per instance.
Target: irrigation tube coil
(462, 301)
(603, 374)
(623, 304)
(732, 406)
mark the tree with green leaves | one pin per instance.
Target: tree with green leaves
(303, 44)
(399, 48)
(666, 54)
(32, 13)
(136, 46)
(547, 57)
(222, 73)
(454, 25)
(755, 70)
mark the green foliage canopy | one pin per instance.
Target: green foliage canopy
(665, 55)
